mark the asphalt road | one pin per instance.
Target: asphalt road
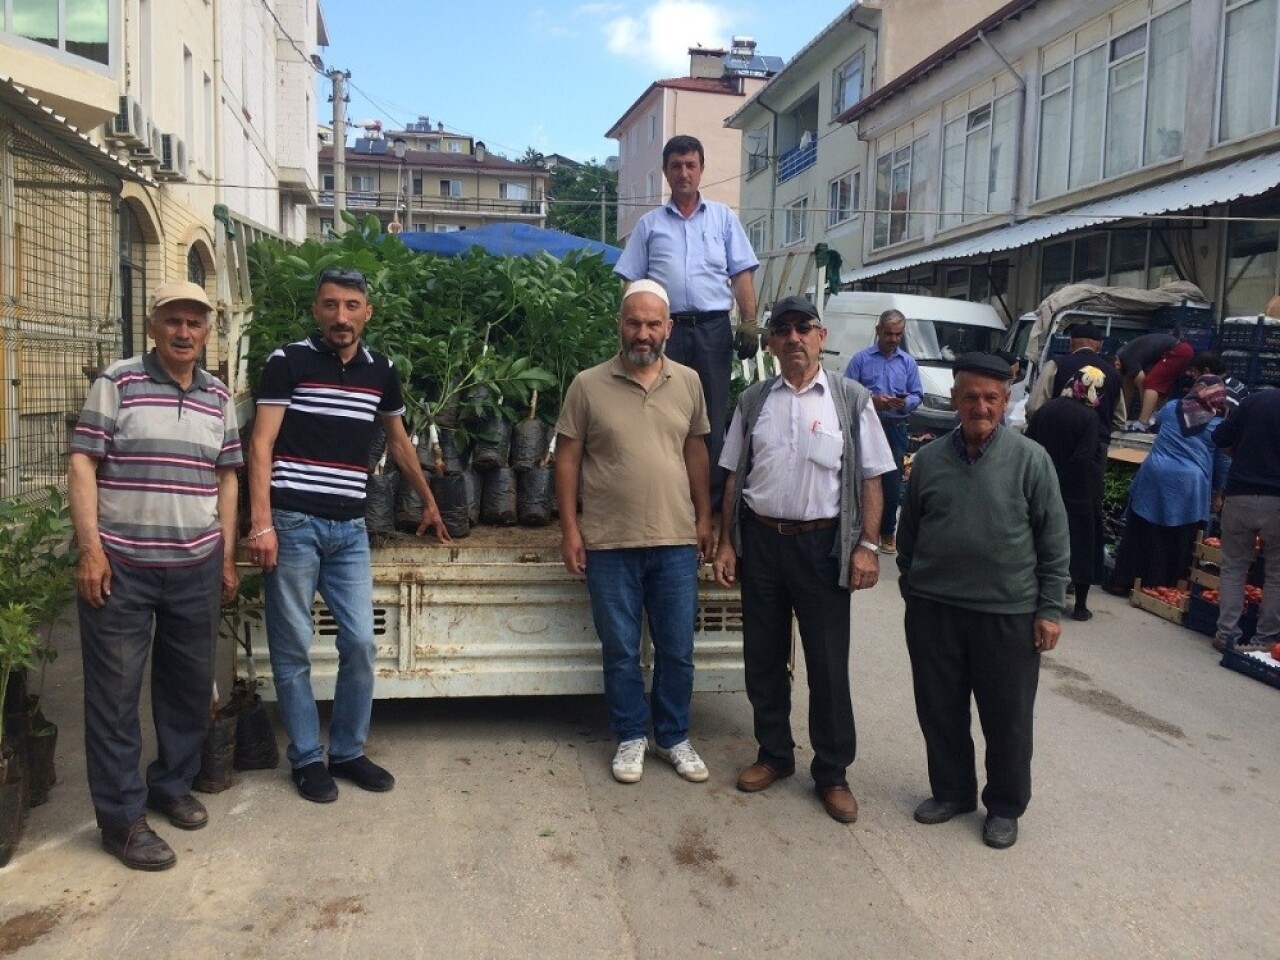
(1151, 832)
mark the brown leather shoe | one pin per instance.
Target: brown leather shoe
(185, 813)
(889, 545)
(138, 847)
(839, 802)
(758, 776)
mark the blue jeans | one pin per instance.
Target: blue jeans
(662, 582)
(333, 557)
(891, 482)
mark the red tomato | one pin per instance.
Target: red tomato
(1275, 652)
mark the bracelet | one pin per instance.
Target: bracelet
(873, 547)
(261, 533)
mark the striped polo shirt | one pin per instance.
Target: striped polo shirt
(320, 463)
(159, 449)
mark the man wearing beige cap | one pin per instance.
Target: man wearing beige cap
(152, 485)
(633, 429)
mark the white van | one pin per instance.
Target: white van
(938, 330)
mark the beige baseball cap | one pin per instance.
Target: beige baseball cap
(179, 290)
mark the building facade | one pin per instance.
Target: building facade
(803, 171)
(1124, 144)
(718, 82)
(424, 179)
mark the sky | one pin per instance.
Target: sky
(552, 76)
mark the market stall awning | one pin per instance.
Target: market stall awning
(508, 239)
(1243, 178)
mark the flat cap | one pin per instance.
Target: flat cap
(984, 364)
(1084, 331)
(792, 304)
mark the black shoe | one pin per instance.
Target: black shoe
(1082, 615)
(138, 847)
(315, 784)
(934, 810)
(186, 813)
(1000, 832)
(364, 773)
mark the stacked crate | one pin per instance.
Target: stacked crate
(1250, 348)
(1202, 613)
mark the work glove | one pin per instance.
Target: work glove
(746, 340)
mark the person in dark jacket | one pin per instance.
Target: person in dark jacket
(1066, 427)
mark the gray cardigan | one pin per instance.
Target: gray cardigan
(850, 399)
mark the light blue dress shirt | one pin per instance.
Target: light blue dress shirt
(693, 259)
(895, 375)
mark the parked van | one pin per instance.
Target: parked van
(938, 331)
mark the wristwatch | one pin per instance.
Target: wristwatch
(869, 545)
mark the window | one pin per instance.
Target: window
(455, 146)
(1134, 257)
(758, 234)
(1115, 107)
(651, 187)
(1246, 102)
(447, 228)
(510, 191)
(81, 28)
(188, 98)
(900, 185)
(326, 181)
(362, 183)
(795, 223)
(195, 267)
(417, 184)
(653, 126)
(326, 226)
(846, 84)
(208, 152)
(842, 198)
(450, 188)
(977, 162)
(1251, 260)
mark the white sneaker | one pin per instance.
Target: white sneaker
(628, 762)
(685, 759)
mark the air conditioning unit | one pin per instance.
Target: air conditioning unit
(173, 158)
(147, 150)
(130, 122)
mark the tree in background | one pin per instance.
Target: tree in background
(574, 197)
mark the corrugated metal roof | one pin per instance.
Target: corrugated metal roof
(14, 96)
(1243, 178)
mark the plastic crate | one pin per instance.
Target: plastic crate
(1268, 335)
(1200, 338)
(1202, 616)
(1239, 333)
(1187, 313)
(1238, 364)
(1266, 371)
(1260, 666)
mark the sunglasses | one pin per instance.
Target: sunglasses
(802, 327)
(343, 278)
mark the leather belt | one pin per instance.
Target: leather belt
(696, 317)
(789, 528)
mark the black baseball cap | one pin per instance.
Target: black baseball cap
(1084, 331)
(792, 304)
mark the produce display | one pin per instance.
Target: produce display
(485, 346)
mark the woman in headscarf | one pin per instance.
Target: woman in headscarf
(1174, 491)
(1067, 427)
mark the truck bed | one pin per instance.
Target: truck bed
(496, 614)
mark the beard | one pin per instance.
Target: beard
(647, 358)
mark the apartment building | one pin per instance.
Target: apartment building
(1122, 143)
(428, 179)
(719, 80)
(803, 171)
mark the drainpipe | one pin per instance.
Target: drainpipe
(1015, 198)
(773, 172)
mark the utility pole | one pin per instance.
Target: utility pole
(604, 198)
(339, 98)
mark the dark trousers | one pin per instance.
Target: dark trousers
(955, 652)
(707, 347)
(181, 606)
(891, 482)
(781, 575)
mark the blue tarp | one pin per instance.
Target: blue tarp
(507, 239)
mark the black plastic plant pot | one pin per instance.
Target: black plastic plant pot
(533, 499)
(450, 492)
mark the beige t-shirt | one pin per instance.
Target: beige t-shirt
(635, 489)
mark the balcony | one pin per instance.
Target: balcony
(424, 205)
(799, 158)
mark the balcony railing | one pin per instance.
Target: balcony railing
(798, 159)
(423, 204)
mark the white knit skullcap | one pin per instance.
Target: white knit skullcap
(647, 286)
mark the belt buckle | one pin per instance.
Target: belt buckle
(796, 524)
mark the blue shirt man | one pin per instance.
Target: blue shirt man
(697, 250)
(893, 378)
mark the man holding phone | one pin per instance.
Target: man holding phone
(893, 378)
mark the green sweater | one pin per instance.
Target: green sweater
(988, 536)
